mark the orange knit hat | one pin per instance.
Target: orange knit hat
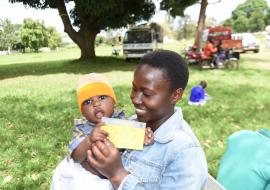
(93, 84)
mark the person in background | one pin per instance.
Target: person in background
(198, 95)
(210, 50)
(246, 161)
(176, 159)
(220, 54)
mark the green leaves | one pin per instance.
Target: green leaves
(8, 34)
(250, 16)
(34, 35)
(176, 7)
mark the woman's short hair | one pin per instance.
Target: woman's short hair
(174, 66)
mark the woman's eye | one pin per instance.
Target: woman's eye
(87, 102)
(147, 95)
(103, 97)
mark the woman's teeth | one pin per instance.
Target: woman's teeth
(140, 111)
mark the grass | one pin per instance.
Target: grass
(38, 105)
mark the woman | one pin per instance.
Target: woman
(175, 160)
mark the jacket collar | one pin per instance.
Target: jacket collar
(166, 131)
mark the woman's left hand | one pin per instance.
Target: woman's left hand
(149, 136)
(106, 159)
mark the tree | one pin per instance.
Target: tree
(167, 26)
(250, 16)
(88, 17)
(8, 34)
(91, 16)
(256, 21)
(53, 38)
(247, 8)
(201, 24)
(186, 29)
(34, 35)
(241, 24)
(228, 22)
(267, 17)
(176, 7)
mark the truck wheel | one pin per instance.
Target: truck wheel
(256, 51)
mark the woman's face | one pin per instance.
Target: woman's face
(151, 95)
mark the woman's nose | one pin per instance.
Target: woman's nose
(136, 97)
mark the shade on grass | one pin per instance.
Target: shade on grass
(38, 105)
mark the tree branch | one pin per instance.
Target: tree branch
(62, 10)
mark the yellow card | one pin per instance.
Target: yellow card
(125, 136)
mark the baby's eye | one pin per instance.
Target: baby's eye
(87, 102)
(102, 97)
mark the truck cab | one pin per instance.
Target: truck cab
(138, 41)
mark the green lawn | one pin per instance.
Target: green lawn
(38, 105)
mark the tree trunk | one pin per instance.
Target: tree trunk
(86, 43)
(84, 38)
(201, 24)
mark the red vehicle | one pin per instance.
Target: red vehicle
(191, 55)
(218, 33)
(224, 34)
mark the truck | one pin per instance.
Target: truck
(140, 40)
(218, 34)
(224, 34)
(250, 43)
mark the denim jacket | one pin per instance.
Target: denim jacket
(175, 161)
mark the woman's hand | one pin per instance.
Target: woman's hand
(105, 158)
(80, 152)
(149, 136)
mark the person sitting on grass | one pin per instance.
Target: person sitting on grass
(96, 99)
(198, 95)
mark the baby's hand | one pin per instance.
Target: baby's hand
(149, 136)
(97, 134)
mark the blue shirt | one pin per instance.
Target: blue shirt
(175, 161)
(197, 94)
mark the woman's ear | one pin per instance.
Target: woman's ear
(177, 95)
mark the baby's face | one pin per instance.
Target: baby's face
(96, 107)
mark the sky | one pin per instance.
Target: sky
(17, 12)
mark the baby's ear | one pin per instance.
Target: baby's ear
(177, 95)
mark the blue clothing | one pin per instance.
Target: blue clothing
(175, 161)
(246, 161)
(197, 94)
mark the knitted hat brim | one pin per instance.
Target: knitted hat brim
(94, 89)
